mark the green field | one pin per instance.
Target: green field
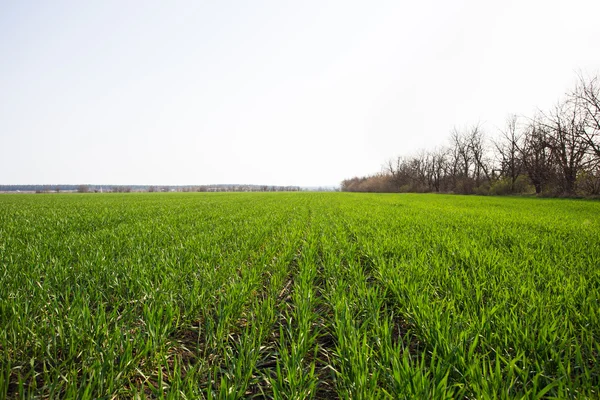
(298, 295)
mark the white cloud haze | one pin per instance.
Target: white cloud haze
(269, 92)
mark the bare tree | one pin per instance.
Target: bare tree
(536, 154)
(462, 152)
(587, 97)
(393, 168)
(477, 148)
(436, 165)
(566, 124)
(511, 163)
(464, 165)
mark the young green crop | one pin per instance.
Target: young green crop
(298, 295)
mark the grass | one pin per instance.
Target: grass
(298, 295)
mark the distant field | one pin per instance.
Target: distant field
(298, 295)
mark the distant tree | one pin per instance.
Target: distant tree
(566, 126)
(463, 161)
(437, 167)
(83, 188)
(536, 154)
(586, 96)
(508, 151)
(460, 143)
(393, 168)
(476, 144)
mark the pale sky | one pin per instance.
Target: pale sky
(269, 92)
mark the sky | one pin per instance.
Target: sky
(279, 92)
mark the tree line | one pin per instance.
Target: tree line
(146, 188)
(555, 152)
